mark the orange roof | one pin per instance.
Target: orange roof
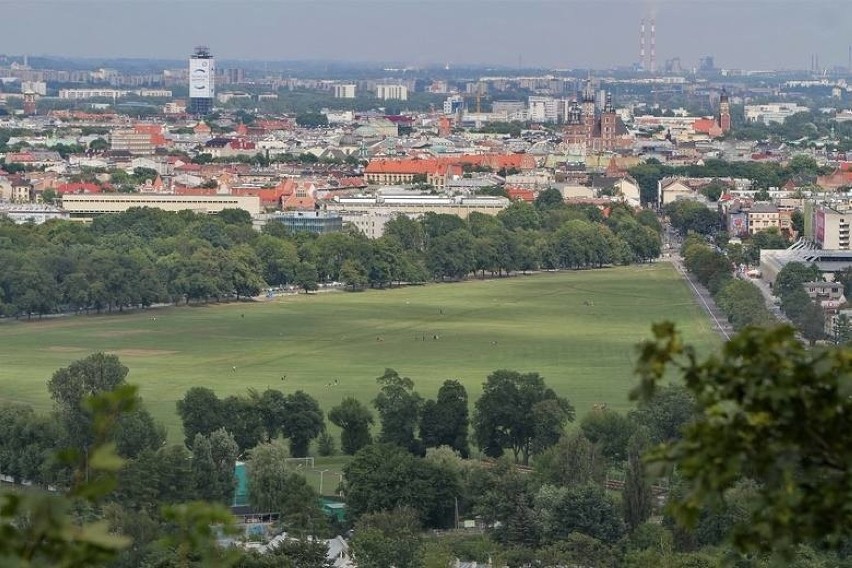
(302, 198)
(79, 187)
(704, 125)
(352, 182)
(440, 165)
(839, 178)
(148, 129)
(269, 196)
(520, 194)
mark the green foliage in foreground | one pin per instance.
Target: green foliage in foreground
(771, 410)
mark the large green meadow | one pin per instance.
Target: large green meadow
(578, 329)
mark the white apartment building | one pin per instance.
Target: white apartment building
(82, 94)
(453, 104)
(344, 91)
(37, 87)
(371, 223)
(154, 93)
(137, 143)
(543, 109)
(392, 92)
(508, 107)
(772, 112)
(831, 228)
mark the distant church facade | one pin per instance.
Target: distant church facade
(594, 131)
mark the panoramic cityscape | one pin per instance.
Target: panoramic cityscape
(425, 285)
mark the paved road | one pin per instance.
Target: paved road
(720, 322)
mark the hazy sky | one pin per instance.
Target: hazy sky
(755, 34)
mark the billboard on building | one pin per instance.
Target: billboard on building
(201, 78)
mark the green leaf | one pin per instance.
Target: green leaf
(99, 534)
(105, 458)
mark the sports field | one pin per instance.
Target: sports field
(578, 329)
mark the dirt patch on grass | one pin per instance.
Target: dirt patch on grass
(141, 352)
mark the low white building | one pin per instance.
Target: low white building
(772, 112)
(31, 212)
(415, 205)
(371, 223)
(87, 206)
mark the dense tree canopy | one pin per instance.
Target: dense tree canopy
(383, 477)
(354, 420)
(146, 256)
(444, 421)
(399, 406)
(518, 412)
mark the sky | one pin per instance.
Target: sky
(750, 34)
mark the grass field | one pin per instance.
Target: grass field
(578, 329)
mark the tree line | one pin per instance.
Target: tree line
(740, 300)
(147, 256)
(517, 414)
(806, 314)
(743, 303)
(764, 175)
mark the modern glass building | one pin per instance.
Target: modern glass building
(318, 222)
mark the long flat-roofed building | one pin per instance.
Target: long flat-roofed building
(85, 207)
(829, 262)
(415, 205)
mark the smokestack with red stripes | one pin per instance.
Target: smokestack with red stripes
(642, 45)
(653, 66)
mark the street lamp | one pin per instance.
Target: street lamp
(321, 474)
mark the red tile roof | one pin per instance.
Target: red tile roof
(440, 165)
(703, 125)
(79, 187)
(520, 194)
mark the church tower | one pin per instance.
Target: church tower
(724, 111)
(588, 104)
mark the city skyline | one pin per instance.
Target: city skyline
(528, 33)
